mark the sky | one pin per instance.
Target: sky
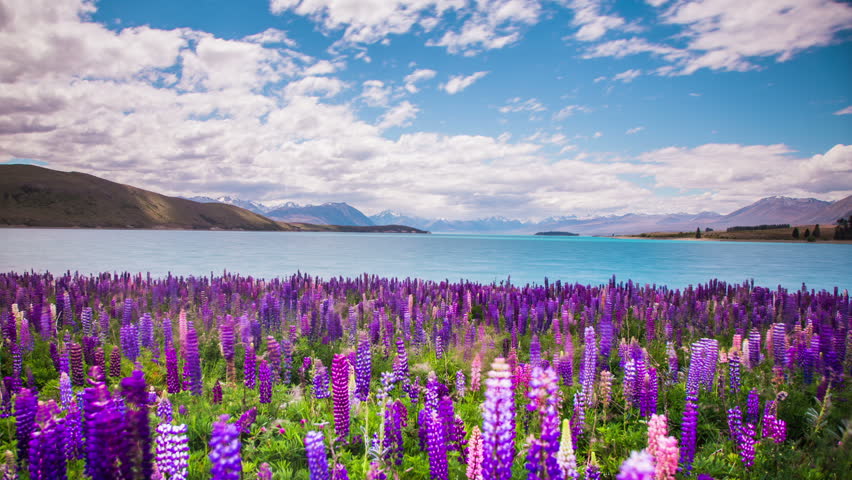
(457, 109)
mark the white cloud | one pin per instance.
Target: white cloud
(375, 93)
(656, 3)
(271, 36)
(627, 76)
(517, 104)
(592, 22)
(419, 75)
(457, 83)
(597, 135)
(569, 110)
(493, 24)
(399, 116)
(322, 86)
(844, 111)
(634, 130)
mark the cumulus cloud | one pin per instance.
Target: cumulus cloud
(592, 22)
(417, 76)
(322, 86)
(375, 93)
(399, 116)
(457, 83)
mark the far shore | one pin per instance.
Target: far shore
(704, 239)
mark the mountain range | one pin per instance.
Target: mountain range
(767, 211)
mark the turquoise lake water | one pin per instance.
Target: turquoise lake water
(481, 258)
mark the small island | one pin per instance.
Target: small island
(558, 234)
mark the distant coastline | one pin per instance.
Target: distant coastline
(557, 234)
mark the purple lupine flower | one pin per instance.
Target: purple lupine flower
(593, 472)
(315, 453)
(395, 419)
(320, 380)
(246, 420)
(130, 341)
(146, 331)
(752, 407)
(75, 353)
(339, 472)
(105, 433)
(265, 379)
(47, 445)
(226, 343)
(74, 446)
(225, 450)
(648, 403)
(639, 466)
(172, 450)
(747, 442)
(436, 445)
(544, 400)
(192, 361)
(461, 383)
(66, 391)
(363, 371)
(86, 320)
(264, 472)
(172, 373)
(735, 422)
(138, 458)
(165, 411)
(498, 426)
(400, 364)
(287, 352)
(115, 363)
(217, 392)
(565, 366)
(779, 344)
(250, 367)
(273, 353)
(578, 420)
(99, 359)
(26, 405)
(535, 351)
(340, 392)
(754, 347)
(689, 429)
(734, 373)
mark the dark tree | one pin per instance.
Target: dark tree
(796, 233)
(807, 232)
(816, 231)
(698, 232)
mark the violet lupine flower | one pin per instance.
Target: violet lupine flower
(339, 472)
(250, 367)
(47, 445)
(544, 399)
(287, 368)
(754, 347)
(474, 455)
(66, 392)
(498, 426)
(265, 378)
(461, 383)
(192, 361)
(26, 405)
(172, 451)
(593, 472)
(315, 453)
(320, 380)
(104, 433)
(130, 341)
(578, 419)
(746, 442)
(75, 353)
(400, 365)
(137, 461)
(395, 420)
(436, 446)
(172, 373)
(648, 402)
(535, 351)
(639, 466)
(689, 429)
(165, 411)
(246, 420)
(226, 343)
(734, 372)
(779, 344)
(217, 393)
(273, 353)
(587, 374)
(225, 450)
(340, 392)
(565, 457)
(115, 363)
(363, 371)
(735, 422)
(74, 445)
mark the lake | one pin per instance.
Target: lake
(481, 258)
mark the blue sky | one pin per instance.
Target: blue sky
(450, 108)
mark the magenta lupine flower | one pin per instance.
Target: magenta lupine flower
(639, 466)
(172, 446)
(315, 453)
(689, 427)
(264, 472)
(666, 458)
(363, 371)
(544, 400)
(217, 393)
(340, 392)
(225, 450)
(498, 426)
(265, 379)
(250, 367)
(474, 455)
(476, 373)
(436, 446)
(26, 405)
(137, 427)
(657, 428)
(47, 445)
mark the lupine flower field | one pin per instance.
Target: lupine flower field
(124, 376)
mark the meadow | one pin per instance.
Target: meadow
(128, 376)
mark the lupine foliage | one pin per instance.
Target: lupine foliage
(369, 377)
